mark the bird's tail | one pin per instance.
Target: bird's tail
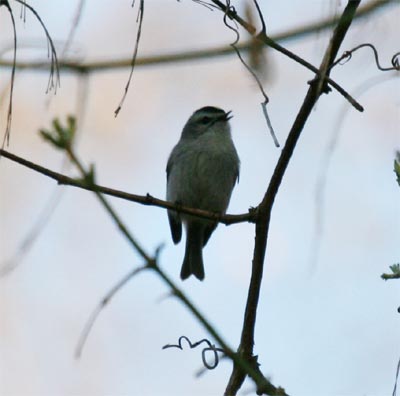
(193, 261)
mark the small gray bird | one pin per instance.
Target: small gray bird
(201, 173)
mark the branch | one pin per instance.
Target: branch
(98, 66)
(61, 138)
(265, 207)
(148, 200)
(264, 38)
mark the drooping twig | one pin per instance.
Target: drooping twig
(250, 70)
(7, 133)
(134, 56)
(54, 77)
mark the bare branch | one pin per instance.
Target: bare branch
(292, 34)
(142, 199)
(271, 43)
(61, 138)
(265, 207)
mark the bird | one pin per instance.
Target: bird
(202, 171)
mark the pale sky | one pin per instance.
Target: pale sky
(328, 327)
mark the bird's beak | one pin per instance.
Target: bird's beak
(228, 115)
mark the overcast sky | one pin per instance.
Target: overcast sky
(327, 324)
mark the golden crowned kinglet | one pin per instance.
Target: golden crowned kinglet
(201, 173)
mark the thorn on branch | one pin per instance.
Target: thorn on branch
(209, 348)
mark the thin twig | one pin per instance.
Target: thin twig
(250, 70)
(273, 44)
(103, 303)
(54, 77)
(134, 56)
(74, 25)
(7, 133)
(396, 379)
(187, 56)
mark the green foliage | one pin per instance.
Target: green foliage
(395, 268)
(90, 176)
(60, 136)
(397, 166)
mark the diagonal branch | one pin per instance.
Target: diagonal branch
(264, 38)
(61, 138)
(265, 207)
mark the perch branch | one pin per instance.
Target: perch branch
(149, 200)
(61, 138)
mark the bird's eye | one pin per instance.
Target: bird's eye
(205, 120)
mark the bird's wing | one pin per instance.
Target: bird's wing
(175, 225)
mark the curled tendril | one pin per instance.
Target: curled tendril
(347, 55)
(209, 348)
(396, 61)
